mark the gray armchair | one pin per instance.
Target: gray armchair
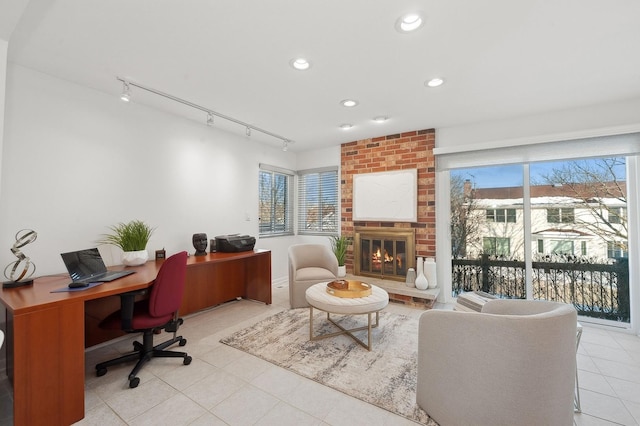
(309, 264)
(512, 363)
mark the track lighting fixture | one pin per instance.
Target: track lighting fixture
(126, 92)
(285, 145)
(126, 96)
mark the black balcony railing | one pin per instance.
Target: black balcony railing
(596, 290)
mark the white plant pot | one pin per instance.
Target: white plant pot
(430, 272)
(342, 271)
(134, 258)
(421, 282)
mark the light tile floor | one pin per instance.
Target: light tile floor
(226, 386)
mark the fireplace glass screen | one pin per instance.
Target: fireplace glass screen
(383, 256)
(382, 252)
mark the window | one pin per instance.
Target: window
(540, 246)
(589, 185)
(275, 201)
(496, 246)
(560, 215)
(318, 202)
(583, 248)
(561, 247)
(616, 250)
(501, 215)
(617, 215)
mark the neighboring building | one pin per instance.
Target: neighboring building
(564, 221)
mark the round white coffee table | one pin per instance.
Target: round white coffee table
(318, 298)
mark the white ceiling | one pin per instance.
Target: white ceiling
(500, 58)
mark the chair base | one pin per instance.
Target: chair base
(143, 352)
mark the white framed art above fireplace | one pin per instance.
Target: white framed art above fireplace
(386, 196)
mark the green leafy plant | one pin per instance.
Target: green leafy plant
(132, 236)
(339, 245)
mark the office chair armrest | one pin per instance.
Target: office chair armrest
(127, 303)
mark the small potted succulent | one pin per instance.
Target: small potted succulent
(132, 238)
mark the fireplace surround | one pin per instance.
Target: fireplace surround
(385, 253)
(407, 150)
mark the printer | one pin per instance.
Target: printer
(234, 243)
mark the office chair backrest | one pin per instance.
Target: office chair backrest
(167, 289)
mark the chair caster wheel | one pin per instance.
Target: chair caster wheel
(101, 371)
(182, 342)
(133, 383)
(187, 360)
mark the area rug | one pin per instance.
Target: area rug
(385, 377)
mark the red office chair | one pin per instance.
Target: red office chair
(159, 312)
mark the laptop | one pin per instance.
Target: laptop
(87, 266)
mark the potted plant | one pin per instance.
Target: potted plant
(132, 238)
(339, 245)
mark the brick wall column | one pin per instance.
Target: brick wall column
(409, 150)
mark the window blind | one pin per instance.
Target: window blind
(318, 206)
(601, 146)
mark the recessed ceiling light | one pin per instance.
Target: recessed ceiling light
(348, 103)
(300, 64)
(380, 119)
(346, 126)
(409, 22)
(434, 82)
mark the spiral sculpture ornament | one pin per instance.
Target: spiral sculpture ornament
(18, 272)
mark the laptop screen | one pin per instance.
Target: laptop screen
(84, 263)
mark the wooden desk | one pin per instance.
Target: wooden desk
(46, 331)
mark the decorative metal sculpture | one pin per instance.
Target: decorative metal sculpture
(23, 268)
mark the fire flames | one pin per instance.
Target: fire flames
(379, 258)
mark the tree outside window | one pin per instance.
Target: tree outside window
(275, 203)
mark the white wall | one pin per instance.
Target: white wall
(76, 161)
(552, 126)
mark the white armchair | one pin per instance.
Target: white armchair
(512, 363)
(309, 264)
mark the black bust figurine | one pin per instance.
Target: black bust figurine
(200, 244)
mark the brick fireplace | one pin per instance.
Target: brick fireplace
(409, 150)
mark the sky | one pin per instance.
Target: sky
(511, 175)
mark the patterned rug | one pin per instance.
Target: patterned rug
(385, 377)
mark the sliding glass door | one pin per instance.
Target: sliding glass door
(547, 230)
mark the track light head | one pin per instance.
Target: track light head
(126, 92)
(209, 119)
(248, 131)
(285, 145)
